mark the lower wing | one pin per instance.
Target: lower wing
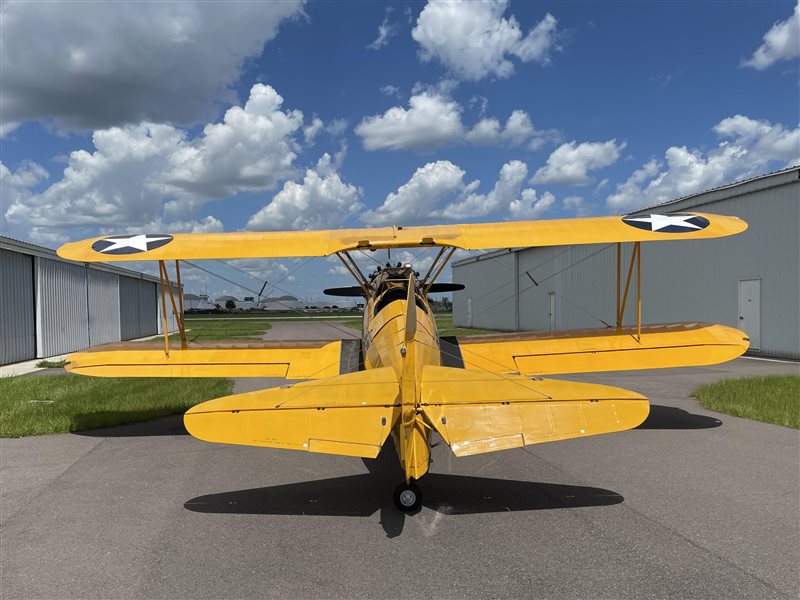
(478, 412)
(290, 360)
(590, 350)
(350, 415)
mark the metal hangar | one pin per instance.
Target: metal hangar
(750, 281)
(50, 306)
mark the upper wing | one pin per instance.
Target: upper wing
(589, 350)
(478, 412)
(476, 236)
(349, 415)
(291, 360)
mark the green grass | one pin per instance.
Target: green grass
(222, 328)
(353, 324)
(443, 321)
(63, 403)
(51, 364)
(445, 324)
(774, 399)
(277, 315)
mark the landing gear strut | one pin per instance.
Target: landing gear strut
(407, 497)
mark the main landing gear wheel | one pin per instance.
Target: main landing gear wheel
(407, 497)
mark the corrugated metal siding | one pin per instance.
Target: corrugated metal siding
(103, 291)
(172, 323)
(49, 306)
(582, 279)
(17, 313)
(62, 308)
(681, 280)
(702, 278)
(490, 289)
(148, 308)
(128, 307)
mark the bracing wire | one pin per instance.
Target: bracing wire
(538, 283)
(349, 333)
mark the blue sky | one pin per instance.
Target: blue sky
(184, 116)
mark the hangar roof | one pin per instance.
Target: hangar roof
(7, 243)
(722, 192)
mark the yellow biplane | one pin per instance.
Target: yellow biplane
(479, 393)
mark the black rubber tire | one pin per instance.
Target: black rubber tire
(407, 497)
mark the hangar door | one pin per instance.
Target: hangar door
(17, 308)
(750, 310)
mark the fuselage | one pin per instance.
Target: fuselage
(386, 344)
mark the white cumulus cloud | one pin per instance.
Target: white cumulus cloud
(16, 187)
(311, 130)
(139, 174)
(577, 205)
(390, 90)
(94, 65)
(415, 200)
(504, 195)
(474, 40)
(321, 201)
(531, 205)
(781, 42)
(433, 120)
(748, 147)
(208, 224)
(437, 191)
(386, 31)
(570, 163)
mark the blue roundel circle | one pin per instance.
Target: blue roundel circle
(669, 223)
(131, 244)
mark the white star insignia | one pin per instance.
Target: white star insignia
(659, 222)
(137, 242)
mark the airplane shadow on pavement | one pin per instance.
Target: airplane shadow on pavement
(669, 417)
(364, 495)
(171, 425)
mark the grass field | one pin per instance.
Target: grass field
(51, 364)
(774, 399)
(244, 326)
(445, 324)
(443, 321)
(63, 403)
(222, 328)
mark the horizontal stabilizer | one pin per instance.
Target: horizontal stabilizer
(477, 412)
(291, 360)
(607, 349)
(350, 415)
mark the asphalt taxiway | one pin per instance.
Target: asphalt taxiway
(692, 504)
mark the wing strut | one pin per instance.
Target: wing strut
(354, 271)
(438, 264)
(177, 308)
(636, 258)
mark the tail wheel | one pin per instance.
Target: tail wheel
(407, 497)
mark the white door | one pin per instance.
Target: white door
(750, 310)
(552, 296)
(469, 312)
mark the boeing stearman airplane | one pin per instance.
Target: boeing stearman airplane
(479, 393)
